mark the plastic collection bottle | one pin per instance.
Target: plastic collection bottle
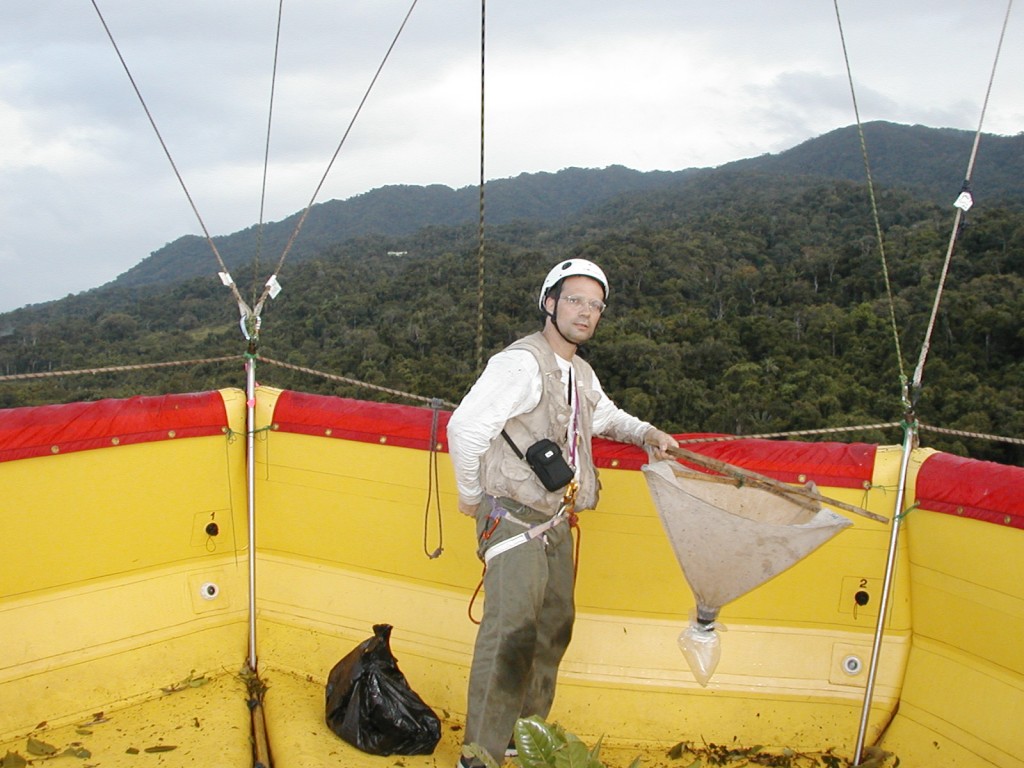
(702, 648)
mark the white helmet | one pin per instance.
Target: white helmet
(568, 269)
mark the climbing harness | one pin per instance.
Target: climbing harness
(528, 535)
(566, 513)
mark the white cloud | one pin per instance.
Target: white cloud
(86, 192)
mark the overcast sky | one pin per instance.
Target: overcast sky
(86, 191)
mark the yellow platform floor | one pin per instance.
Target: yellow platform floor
(203, 725)
(209, 725)
(299, 738)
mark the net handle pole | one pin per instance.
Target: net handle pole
(748, 477)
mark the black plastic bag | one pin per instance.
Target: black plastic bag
(371, 706)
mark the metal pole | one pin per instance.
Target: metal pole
(890, 566)
(250, 477)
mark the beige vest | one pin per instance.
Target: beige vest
(505, 474)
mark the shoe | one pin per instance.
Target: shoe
(511, 750)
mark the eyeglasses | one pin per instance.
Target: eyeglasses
(582, 302)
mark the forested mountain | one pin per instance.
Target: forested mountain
(930, 161)
(398, 210)
(743, 301)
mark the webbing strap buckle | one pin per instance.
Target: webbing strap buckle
(569, 497)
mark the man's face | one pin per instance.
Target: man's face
(577, 319)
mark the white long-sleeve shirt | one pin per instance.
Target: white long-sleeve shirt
(510, 386)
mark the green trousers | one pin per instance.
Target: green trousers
(526, 626)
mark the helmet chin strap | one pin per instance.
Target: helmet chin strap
(554, 322)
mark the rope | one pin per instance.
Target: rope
(266, 430)
(356, 382)
(480, 229)
(874, 210)
(266, 150)
(957, 221)
(860, 428)
(433, 489)
(250, 318)
(978, 435)
(473, 597)
(433, 401)
(116, 368)
(167, 152)
(334, 157)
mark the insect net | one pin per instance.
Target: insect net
(728, 540)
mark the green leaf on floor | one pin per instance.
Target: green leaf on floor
(40, 748)
(192, 681)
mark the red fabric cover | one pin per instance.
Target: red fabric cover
(983, 490)
(50, 429)
(946, 483)
(403, 425)
(834, 464)
(839, 465)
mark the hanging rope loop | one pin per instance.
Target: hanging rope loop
(433, 483)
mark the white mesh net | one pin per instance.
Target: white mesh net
(729, 540)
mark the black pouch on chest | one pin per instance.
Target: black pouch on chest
(547, 462)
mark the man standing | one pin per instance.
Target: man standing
(534, 389)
